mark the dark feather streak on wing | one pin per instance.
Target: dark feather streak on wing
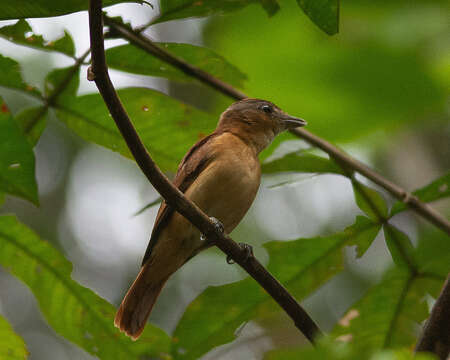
(192, 164)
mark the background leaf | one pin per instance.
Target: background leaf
(12, 346)
(21, 33)
(369, 201)
(438, 189)
(16, 159)
(301, 265)
(400, 247)
(73, 311)
(12, 78)
(271, 6)
(323, 13)
(135, 60)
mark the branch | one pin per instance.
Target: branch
(174, 197)
(136, 38)
(436, 333)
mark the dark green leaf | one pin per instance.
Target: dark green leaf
(12, 346)
(301, 162)
(438, 189)
(387, 316)
(369, 201)
(21, 33)
(73, 311)
(271, 6)
(20, 9)
(400, 247)
(16, 159)
(132, 59)
(323, 13)
(180, 9)
(167, 127)
(11, 77)
(32, 122)
(301, 265)
(61, 85)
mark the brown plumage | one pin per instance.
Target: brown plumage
(221, 174)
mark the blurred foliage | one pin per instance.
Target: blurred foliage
(73, 311)
(12, 346)
(387, 71)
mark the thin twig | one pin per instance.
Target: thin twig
(436, 332)
(412, 201)
(174, 197)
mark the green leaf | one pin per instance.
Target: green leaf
(180, 9)
(271, 6)
(167, 127)
(433, 253)
(73, 311)
(135, 60)
(12, 346)
(438, 189)
(323, 13)
(369, 201)
(400, 247)
(21, 33)
(20, 9)
(148, 206)
(12, 77)
(16, 159)
(387, 316)
(301, 162)
(32, 122)
(302, 266)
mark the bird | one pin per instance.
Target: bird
(221, 174)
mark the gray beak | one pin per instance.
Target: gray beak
(291, 122)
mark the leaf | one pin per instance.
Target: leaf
(20, 9)
(12, 346)
(438, 189)
(16, 159)
(32, 122)
(137, 61)
(167, 127)
(12, 78)
(323, 13)
(369, 201)
(400, 247)
(21, 33)
(387, 316)
(270, 6)
(148, 206)
(180, 9)
(73, 311)
(301, 265)
(301, 162)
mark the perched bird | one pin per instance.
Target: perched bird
(221, 174)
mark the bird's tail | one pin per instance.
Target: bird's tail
(138, 303)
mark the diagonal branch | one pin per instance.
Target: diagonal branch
(174, 197)
(423, 209)
(436, 332)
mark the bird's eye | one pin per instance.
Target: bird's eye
(266, 108)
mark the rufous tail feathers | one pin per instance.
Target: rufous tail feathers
(138, 303)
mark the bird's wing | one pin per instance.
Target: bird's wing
(196, 159)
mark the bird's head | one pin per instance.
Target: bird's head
(259, 121)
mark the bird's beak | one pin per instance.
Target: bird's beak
(291, 122)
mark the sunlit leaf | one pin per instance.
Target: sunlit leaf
(323, 13)
(12, 346)
(16, 159)
(167, 127)
(21, 33)
(11, 77)
(438, 189)
(19, 9)
(387, 316)
(180, 9)
(72, 310)
(301, 265)
(369, 201)
(301, 162)
(135, 60)
(400, 247)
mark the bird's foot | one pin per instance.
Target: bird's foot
(217, 224)
(248, 253)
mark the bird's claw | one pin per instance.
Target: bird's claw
(217, 224)
(248, 253)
